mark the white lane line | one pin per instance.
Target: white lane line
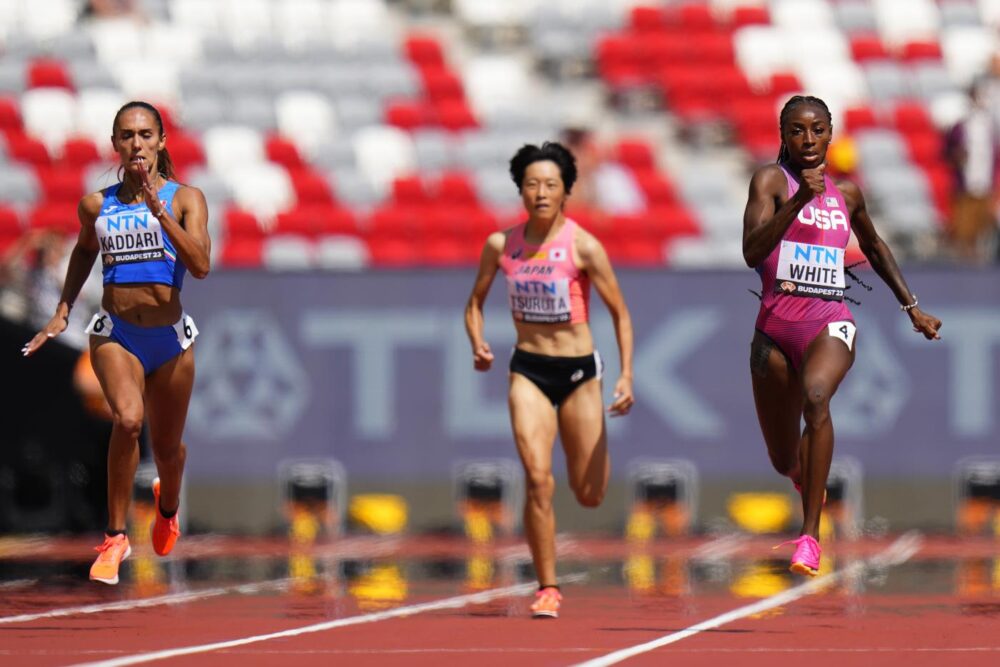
(898, 552)
(456, 602)
(125, 605)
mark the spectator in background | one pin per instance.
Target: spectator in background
(971, 150)
(33, 269)
(603, 185)
(105, 9)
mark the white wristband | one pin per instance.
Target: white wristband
(911, 306)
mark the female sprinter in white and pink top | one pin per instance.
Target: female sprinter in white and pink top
(796, 227)
(549, 262)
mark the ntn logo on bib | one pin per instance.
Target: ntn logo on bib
(805, 264)
(539, 300)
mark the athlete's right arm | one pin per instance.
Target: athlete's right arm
(489, 262)
(81, 260)
(764, 223)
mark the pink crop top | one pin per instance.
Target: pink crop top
(544, 284)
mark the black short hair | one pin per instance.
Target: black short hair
(550, 150)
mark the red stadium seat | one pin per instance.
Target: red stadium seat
(784, 84)
(672, 220)
(242, 253)
(60, 216)
(405, 114)
(925, 148)
(647, 19)
(455, 188)
(10, 115)
(445, 251)
(310, 187)
(868, 47)
(636, 154)
(656, 187)
(424, 51)
(441, 83)
(619, 60)
(299, 221)
(337, 220)
(409, 191)
(282, 151)
(696, 17)
(942, 185)
(79, 152)
(920, 50)
(48, 73)
(859, 118)
(455, 115)
(185, 150)
(61, 185)
(744, 16)
(315, 220)
(911, 117)
(23, 148)
(393, 251)
(710, 47)
(240, 224)
(10, 221)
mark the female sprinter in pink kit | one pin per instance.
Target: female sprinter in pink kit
(555, 373)
(797, 224)
(149, 230)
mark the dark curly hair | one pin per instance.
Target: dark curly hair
(793, 103)
(550, 150)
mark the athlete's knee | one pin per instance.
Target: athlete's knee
(169, 456)
(816, 407)
(541, 486)
(787, 465)
(128, 421)
(589, 495)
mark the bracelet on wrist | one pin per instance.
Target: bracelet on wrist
(911, 306)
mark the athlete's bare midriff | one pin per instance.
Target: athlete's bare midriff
(555, 340)
(143, 304)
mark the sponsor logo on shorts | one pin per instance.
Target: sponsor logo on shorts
(577, 375)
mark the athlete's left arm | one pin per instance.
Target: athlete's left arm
(187, 228)
(594, 260)
(877, 251)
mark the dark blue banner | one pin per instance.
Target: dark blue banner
(375, 370)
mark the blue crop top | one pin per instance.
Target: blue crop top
(134, 248)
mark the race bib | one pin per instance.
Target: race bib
(186, 331)
(100, 325)
(843, 330)
(129, 237)
(810, 270)
(541, 301)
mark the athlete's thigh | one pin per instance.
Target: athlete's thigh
(827, 360)
(168, 393)
(120, 373)
(533, 420)
(584, 437)
(777, 394)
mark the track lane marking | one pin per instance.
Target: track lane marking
(456, 602)
(896, 553)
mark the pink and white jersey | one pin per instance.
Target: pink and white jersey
(544, 285)
(803, 277)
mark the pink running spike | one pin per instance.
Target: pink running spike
(805, 560)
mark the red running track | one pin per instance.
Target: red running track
(358, 602)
